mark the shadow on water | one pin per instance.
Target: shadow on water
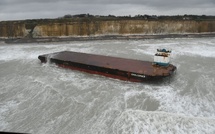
(162, 81)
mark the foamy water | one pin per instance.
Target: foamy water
(43, 98)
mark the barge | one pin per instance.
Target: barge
(114, 67)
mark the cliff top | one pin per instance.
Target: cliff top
(88, 17)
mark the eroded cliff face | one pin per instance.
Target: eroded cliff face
(12, 30)
(102, 27)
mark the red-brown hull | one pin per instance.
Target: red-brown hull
(104, 74)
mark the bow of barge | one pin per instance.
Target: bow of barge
(119, 68)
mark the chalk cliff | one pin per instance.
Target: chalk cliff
(94, 27)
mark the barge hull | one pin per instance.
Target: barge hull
(119, 68)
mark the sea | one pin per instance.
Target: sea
(43, 98)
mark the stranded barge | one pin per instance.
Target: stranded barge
(119, 68)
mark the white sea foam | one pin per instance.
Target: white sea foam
(188, 47)
(15, 52)
(171, 101)
(5, 110)
(142, 122)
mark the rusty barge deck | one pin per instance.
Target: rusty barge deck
(119, 68)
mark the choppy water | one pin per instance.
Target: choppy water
(43, 98)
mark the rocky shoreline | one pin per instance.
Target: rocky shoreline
(104, 37)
